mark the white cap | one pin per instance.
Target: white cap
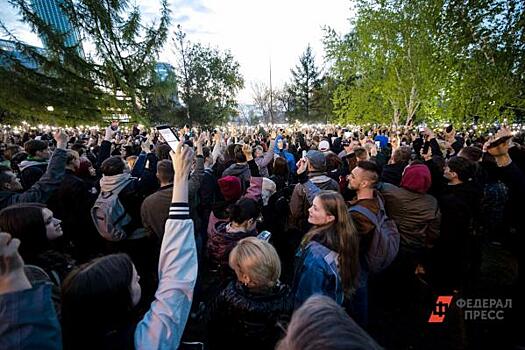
(324, 146)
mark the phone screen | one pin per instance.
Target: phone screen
(169, 136)
(304, 154)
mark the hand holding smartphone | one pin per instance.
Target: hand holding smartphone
(169, 136)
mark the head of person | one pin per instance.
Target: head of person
(316, 161)
(131, 160)
(364, 176)
(280, 167)
(208, 158)
(472, 153)
(80, 148)
(100, 296)
(324, 146)
(10, 151)
(333, 227)
(255, 263)
(333, 162)
(361, 154)
(268, 189)
(401, 155)
(165, 172)
(9, 181)
(33, 224)
(459, 170)
(416, 178)
(230, 188)
(322, 324)
(238, 155)
(163, 151)
(37, 149)
(243, 214)
(73, 160)
(259, 151)
(114, 165)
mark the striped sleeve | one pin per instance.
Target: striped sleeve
(179, 211)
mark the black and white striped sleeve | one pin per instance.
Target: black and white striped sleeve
(179, 211)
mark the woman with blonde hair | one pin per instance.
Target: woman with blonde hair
(247, 313)
(328, 259)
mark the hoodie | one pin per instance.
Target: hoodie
(285, 154)
(31, 171)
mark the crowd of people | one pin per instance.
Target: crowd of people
(246, 237)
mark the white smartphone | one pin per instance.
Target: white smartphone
(304, 153)
(169, 136)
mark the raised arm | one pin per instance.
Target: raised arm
(163, 324)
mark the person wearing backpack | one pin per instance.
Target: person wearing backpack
(378, 236)
(117, 210)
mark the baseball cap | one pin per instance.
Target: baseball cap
(317, 159)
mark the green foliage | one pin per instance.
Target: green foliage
(210, 79)
(116, 77)
(407, 61)
(304, 85)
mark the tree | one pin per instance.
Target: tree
(405, 61)
(261, 98)
(115, 77)
(305, 81)
(210, 79)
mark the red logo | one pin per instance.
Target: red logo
(440, 309)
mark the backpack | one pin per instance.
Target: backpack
(110, 216)
(385, 240)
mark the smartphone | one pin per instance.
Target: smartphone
(378, 144)
(169, 136)
(304, 153)
(264, 236)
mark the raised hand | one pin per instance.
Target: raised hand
(182, 159)
(247, 151)
(12, 276)
(61, 138)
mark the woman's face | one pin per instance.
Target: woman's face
(317, 214)
(53, 228)
(135, 290)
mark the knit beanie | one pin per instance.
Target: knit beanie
(416, 178)
(230, 187)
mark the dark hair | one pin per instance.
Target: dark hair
(239, 156)
(280, 167)
(206, 152)
(33, 146)
(96, 296)
(322, 324)
(244, 209)
(463, 167)
(165, 171)
(11, 150)
(163, 151)
(5, 178)
(333, 162)
(402, 154)
(112, 166)
(472, 153)
(371, 168)
(80, 148)
(360, 152)
(25, 221)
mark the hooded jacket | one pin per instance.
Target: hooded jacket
(31, 171)
(290, 159)
(241, 170)
(222, 240)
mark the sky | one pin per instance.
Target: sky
(255, 31)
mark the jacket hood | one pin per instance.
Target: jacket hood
(114, 182)
(27, 163)
(237, 169)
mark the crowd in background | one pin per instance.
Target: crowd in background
(246, 237)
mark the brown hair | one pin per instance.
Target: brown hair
(340, 236)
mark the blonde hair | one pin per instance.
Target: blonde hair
(131, 161)
(258, 259)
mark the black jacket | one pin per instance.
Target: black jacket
(72, 203)
(241, 319)
(44, 187)
(392, 173)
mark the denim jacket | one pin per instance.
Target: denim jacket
(317, 273)
(28, 320)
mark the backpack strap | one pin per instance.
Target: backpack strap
(366, 213)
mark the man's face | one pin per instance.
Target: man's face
(258, 152)
(448, 174)
(44, 154)
(355, 179)
(14, 185)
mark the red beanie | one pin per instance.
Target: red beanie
(230, 187)
(416, 178)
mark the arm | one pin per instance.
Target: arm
(196, 177)
(163, 324)
(268, 156)
(51, 179)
